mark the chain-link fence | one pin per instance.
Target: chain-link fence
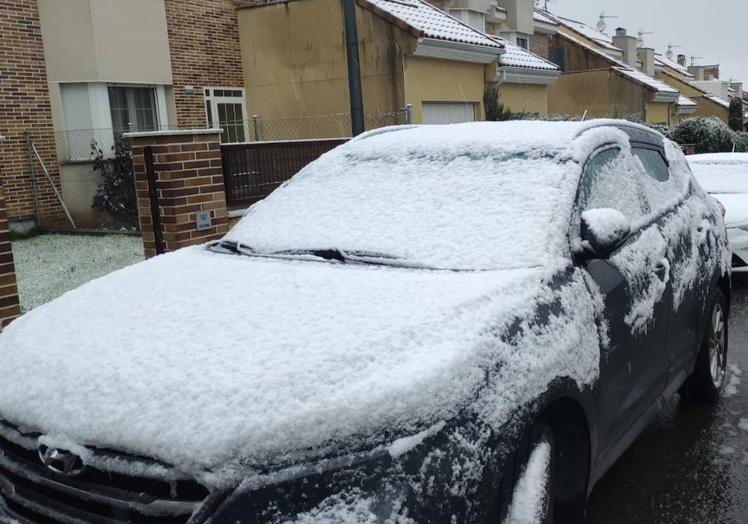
(336, 125)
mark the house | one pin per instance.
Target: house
(607, 76)
(692, 82)
(524, 72)
(88, 70)
(411, 54)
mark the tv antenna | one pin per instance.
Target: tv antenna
(670, 53)
(601, 24)
(694, 58)
(640, 38)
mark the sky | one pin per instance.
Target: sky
(714, 30)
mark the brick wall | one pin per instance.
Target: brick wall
(24, 105)
(540, 45)
(205, 51)
(189, 178)
(9, 304)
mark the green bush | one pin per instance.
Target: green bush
(708, 135)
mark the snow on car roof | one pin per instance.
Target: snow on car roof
(721, 172)
(430, 21)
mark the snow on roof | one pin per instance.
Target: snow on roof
(515, 56)
(646, 80)
(624, 69)
(590, 33)
(673, 65)
(541, 17)
(686, 102)
(717, 100)
(427, 21)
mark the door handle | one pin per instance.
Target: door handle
(662, 268)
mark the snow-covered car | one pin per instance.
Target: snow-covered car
(464, 323)
(725, 177)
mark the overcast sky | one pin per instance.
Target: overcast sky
(713, 29)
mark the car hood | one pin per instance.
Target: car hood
(207, 360)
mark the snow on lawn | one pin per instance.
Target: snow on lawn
(49, 265)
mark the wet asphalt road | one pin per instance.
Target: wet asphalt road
(691, 464)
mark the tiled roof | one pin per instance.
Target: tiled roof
(588, 32)
(646, 80)
(541, 17)
(424, 20)
(673, 65)
(515, 56)
(624, 69)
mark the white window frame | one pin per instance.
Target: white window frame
(215, 100)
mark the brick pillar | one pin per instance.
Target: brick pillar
(10, 306)
(189, 179)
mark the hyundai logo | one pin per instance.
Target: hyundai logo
(60, 461)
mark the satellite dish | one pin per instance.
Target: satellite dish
(601, 25)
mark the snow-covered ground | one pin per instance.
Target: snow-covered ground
(49, 265)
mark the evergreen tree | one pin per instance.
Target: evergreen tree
(735, 118)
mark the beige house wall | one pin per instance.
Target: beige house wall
(658, 113)
(432, 80)
(295, 63)
(524, 97)
(601, 93)
(705, 106)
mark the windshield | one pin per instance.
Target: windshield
(447, 211)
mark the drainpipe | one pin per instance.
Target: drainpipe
(354, 67)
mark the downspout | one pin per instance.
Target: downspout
(354, 67)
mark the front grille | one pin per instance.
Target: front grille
(36, 494)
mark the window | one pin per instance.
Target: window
(610, 180)
(654, 165)
(224, 108)
(523, 41)
(132, 109)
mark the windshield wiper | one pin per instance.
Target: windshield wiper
(356, 256)
(231, 246)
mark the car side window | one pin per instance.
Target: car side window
(610, 180)
(654, 164)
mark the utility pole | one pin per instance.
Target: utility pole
(354, 67)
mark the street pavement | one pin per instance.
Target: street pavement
(691, 464)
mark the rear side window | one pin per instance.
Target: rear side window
(654, 165)
(611, 179)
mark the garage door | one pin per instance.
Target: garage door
(448, 112)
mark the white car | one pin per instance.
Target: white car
(725, 177)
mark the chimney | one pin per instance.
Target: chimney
(647, 58)
(519, 15)
(682, 60)
(696, 71)
(628, 45)
(738, 87)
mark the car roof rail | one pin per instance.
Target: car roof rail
(382, 131)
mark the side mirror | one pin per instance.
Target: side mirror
(603, 230)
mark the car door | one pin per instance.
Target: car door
(667, 193)
(633, 285)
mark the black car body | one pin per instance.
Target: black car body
(623, 320)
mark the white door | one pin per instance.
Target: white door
(448, 112)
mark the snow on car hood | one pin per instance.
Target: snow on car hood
(198, 358)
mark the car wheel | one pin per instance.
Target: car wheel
(708, 377)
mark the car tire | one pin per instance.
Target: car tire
(710, 372)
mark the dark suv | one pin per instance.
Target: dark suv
(464, 323)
